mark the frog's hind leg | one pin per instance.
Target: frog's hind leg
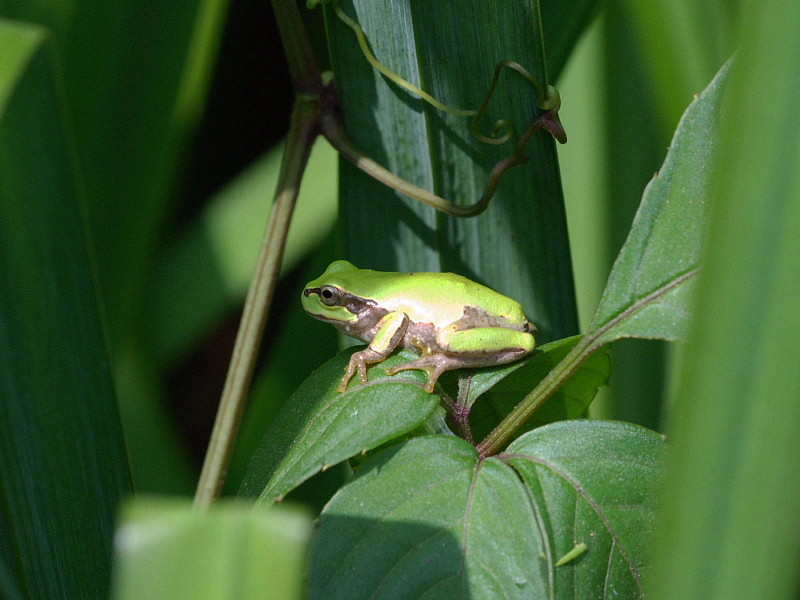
(433, 364)
(495, 341)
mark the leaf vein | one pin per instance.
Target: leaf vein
(595, 506)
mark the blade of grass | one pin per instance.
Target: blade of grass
(729, 527)
(238, 552)
(134, 76)
(63, 467)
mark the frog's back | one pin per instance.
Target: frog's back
(443, 297)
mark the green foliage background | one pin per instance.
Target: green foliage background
(112, 284)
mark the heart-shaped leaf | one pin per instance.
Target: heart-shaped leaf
(322, 427)
(430, 519)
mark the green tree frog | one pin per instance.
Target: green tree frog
(450, 321)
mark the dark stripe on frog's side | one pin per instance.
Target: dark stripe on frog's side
(352, 303)
(356, 305)
(474, 317)
(367, 312)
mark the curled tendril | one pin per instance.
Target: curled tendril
(379, 66)
(548, 101)
(546, 98)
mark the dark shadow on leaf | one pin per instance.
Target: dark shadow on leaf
(356, 557)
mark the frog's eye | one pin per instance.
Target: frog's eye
(329, 295)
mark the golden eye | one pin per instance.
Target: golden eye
(329, 295)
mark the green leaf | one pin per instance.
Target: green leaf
(166, 549)
(19, 43)
(563, 24)
(602, 476)
(63, 467)
(429, 519)
(323, 427)
(649, 287)
(729, 528)
(569, 402)
(678, 49)
(134, 77)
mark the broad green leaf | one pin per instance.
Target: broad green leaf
(732, 498)
(134, 76)
(167, 549)
(649, 287)
(322, 427)
(569, 402)
(63, 467)
(429, 519)
(417, 511)
(519, 245)
(601, 476)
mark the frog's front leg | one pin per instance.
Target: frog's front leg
(391, 329)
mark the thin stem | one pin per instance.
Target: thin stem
(303, 67)
(302, 132)
(461, 418)
(590, 342)
(531, 403)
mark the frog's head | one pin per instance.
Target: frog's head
(328, 297)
